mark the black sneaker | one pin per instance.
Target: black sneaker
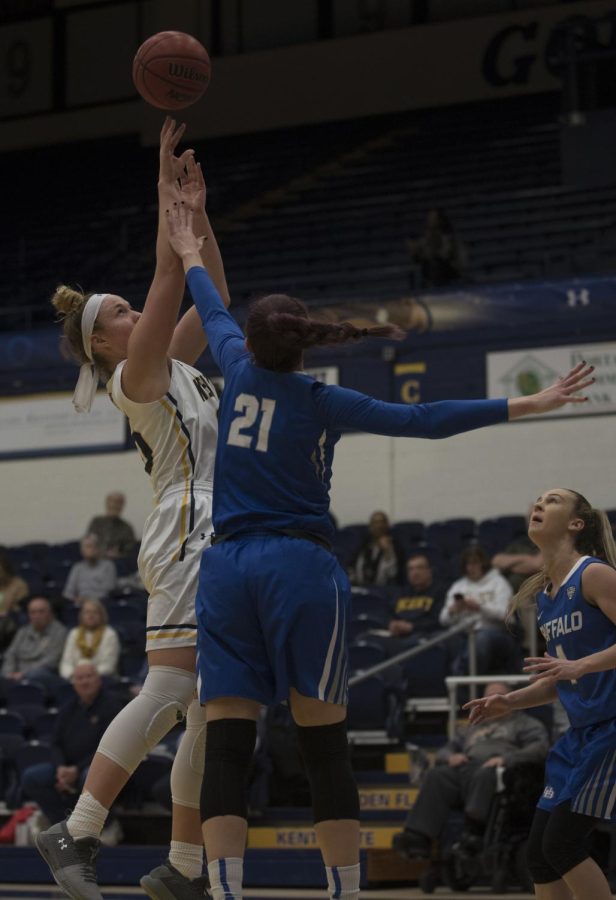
(166, 883)
(412, 845)
(71, 862)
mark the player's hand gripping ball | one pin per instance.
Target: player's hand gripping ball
(171, 70)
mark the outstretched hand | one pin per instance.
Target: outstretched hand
(180, 230)
(192, 184)
(486, 708)
(172, 168)
(553, 668)
(566, 390)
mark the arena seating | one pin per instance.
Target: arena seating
(323, 211)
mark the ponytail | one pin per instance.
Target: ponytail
(279, 330)
(595, 539)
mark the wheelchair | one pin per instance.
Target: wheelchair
(498, 858)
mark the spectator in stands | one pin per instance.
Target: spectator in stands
(79, 726)
(35, 651)
(440, 254)
(518, 560)
(417, 606)
(465, 776)
(13, 590)
(483, 591)
(378, 561)
(93, 640)
(93, 577)
(116, 536)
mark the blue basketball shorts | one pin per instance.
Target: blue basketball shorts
(581, 768)
(272, 614)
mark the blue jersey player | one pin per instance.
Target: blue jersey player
(576, 612)
(273, 602)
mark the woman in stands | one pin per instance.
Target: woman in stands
(92, 640)
(575, 595)
(146, 360)
(273, 602)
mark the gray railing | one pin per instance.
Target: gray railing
(467, 625)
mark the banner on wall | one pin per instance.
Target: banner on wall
(523, 372)
(47, 425)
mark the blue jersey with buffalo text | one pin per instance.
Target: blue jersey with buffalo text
(277, 431)
(572, 628)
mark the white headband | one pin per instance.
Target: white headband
(87, 383)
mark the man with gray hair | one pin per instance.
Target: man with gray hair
(93, 577)
(116, 536)
(35, 651)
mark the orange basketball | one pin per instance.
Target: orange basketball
(171, 70)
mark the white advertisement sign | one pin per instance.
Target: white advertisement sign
(522, 372)
(47, 423)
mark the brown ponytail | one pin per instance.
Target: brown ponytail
(279, 330)
(69, 304)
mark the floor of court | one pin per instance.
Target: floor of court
(41, 892)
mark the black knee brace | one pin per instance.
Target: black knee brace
(325, 751)
(229, 745)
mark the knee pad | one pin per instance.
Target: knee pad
(325, 750)
(229, 748)
(187, 769)
(140, 726)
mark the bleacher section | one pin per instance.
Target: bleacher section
(321, 211)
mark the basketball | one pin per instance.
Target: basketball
(171, 70)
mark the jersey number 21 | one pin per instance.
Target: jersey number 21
(250, 407)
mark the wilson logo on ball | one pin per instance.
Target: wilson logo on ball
(177, 70)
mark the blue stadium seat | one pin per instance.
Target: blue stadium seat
(122, 612)
(25, 692)
(363, 654)
(32, 753)
(347, 542)
(29, 712)
(62, 693)
(425, 674)
(362, 623)
(366, 603)
(43, 726)
(11, 723)
(407, 534)
(374, 706)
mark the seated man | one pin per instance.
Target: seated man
(116, 536)
(417, 605)
(465, 775)
(93, 577)
(79, 726)
(35, 651)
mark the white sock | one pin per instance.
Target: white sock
(343, 882)
(88, 817)
(226, 878)
(187, 858)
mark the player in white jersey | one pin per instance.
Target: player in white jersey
(146, 361)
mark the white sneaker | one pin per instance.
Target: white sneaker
(112, 834)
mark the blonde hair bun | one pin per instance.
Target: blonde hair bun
(67, 301)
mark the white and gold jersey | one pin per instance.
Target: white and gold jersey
(176, 435)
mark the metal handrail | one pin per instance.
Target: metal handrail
(466, 625)
(454, 681)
